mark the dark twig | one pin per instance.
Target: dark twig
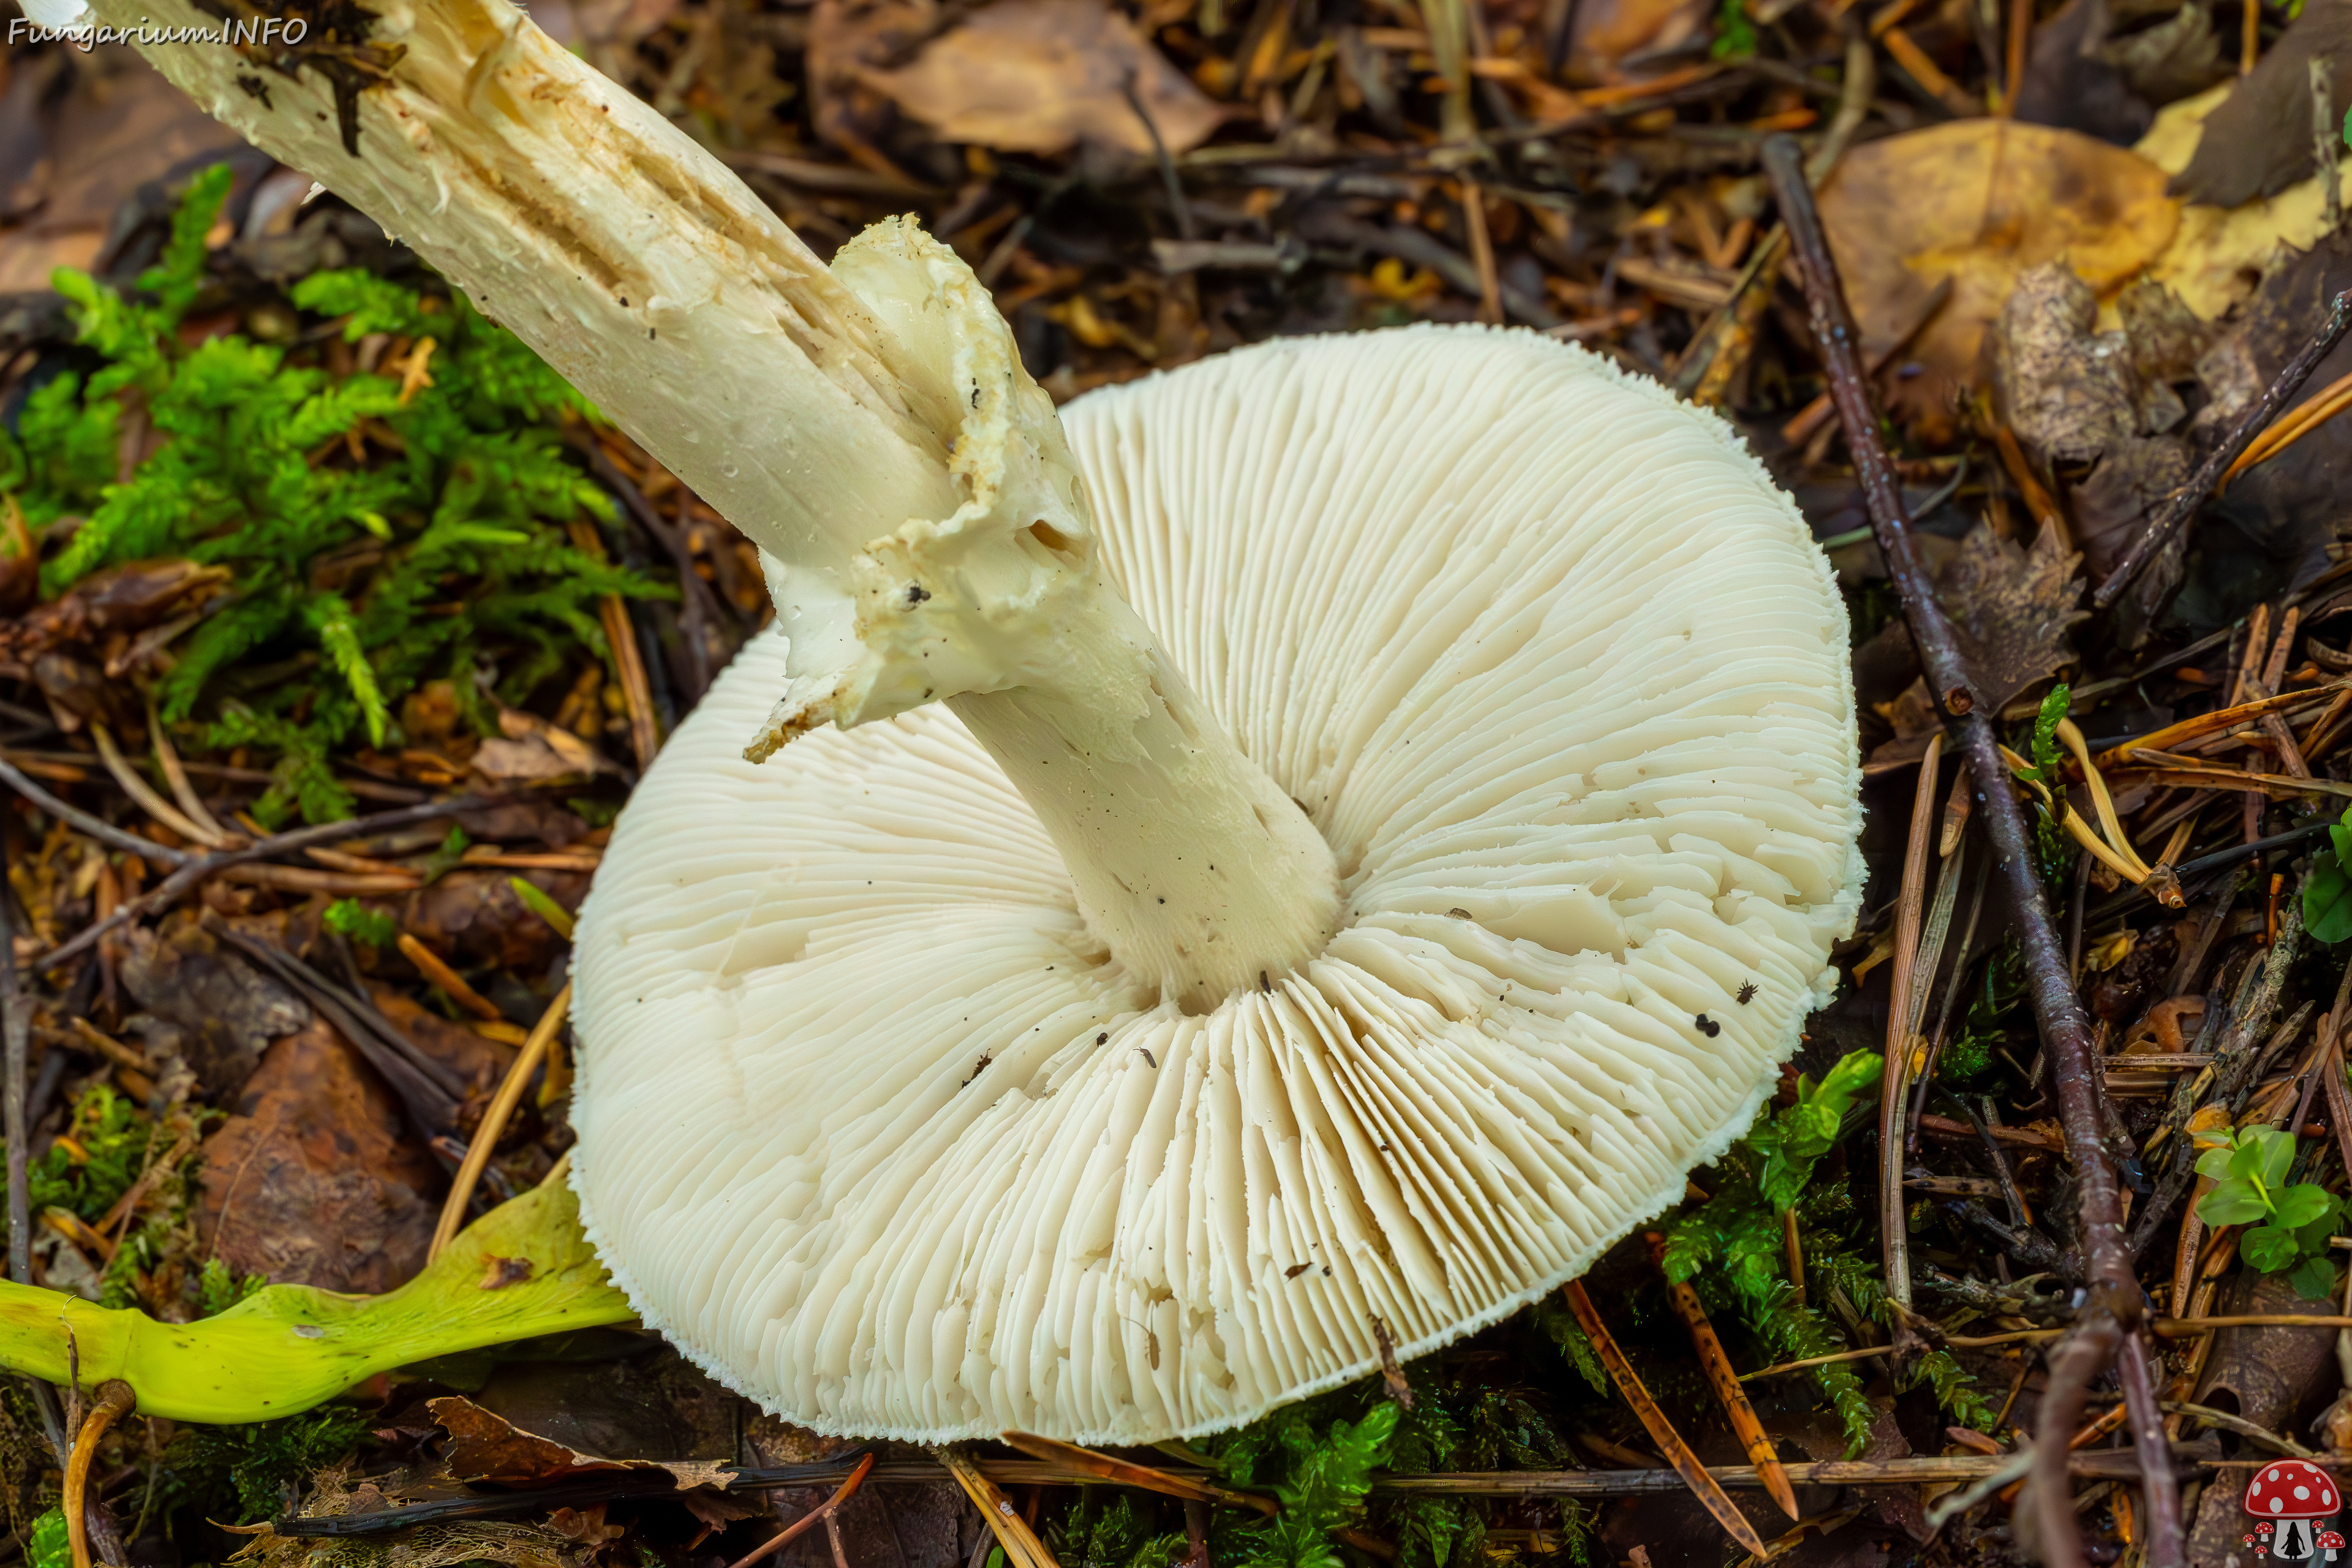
(2237, 852)
(599, 1488)
(2022, 1242)
(696, 598)
(824, 1511)
(2073, 1362)
(430, 1092)
(2183, 502)
(2115, 1303)
(16, 1027)
(103, 831)
(1168, 175)
(2018, 1214)
(193, 871)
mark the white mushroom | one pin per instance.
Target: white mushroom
(1355, 919)
(883, 1127)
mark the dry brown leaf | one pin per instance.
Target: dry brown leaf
(2068, 392)
(1978, 200)
(474, 918)
(534, 749)
(1612, 35)
(311, 1182)
(498, 1273)
(2011, 608)
(2261, 141)
(2078, 400)
(527, 761)
(1039, 76)
(488, 1448)
(222, 1011)
(2219, 254)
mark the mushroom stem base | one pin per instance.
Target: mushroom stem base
(1189, 864)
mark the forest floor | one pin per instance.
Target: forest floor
(300, 795)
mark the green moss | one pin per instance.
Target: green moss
(438, 486)
(87, 1170)
(238, 1475)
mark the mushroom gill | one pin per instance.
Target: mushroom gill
(875, 1128)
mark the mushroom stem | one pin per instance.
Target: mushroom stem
(1191, 865)
(868, 424)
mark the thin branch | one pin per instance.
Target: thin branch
(2115, 1303)
(96, 827)
(15, 1028)
(824, 1510)
(195, 869)
(494, 1121)
(2184, 502)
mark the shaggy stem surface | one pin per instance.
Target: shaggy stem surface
(868, 425)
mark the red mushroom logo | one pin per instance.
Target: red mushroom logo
(2296, 1498)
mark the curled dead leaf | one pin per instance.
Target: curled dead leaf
(2080, 401)
(1039, 76)
(2218, 253)
(1978, 202)
(2011, 607)
(311, 1182)
(484, 1447)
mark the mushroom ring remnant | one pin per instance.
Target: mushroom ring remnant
(880, 1134)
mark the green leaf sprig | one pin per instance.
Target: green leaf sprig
(2327, 891)
(2287, 1225)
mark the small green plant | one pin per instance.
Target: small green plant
(351, 918)
(1795, 1140)
(1321, 1477)
(538, 902)
(218, 1288)
(2043, 745)
(1107, 1530)
(97, 1159)
(2327, 891)
(2054, 849)
(48, 1546)
(2286, 1227)
(1969, 1051)
(1735, 35)
(1733, 1248)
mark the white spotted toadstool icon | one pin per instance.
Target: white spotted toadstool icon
(1007, 1067)
(2298, 1497)
(2331, 1545)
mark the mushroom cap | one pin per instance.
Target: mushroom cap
(880, 1137)
(2292, 1488)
